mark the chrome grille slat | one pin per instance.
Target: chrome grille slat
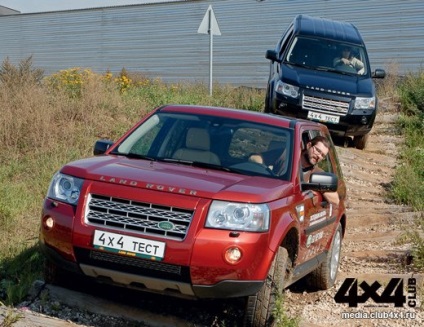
(318, 104)
(136, 216)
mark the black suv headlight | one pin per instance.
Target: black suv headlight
(287, 89)
(365, 103)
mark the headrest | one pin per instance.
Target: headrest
(274, 145)
(198, 138)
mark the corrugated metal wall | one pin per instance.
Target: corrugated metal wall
(161, 40)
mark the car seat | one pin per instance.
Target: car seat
(197, 147)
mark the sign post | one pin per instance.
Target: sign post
(209, 25)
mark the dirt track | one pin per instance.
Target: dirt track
(370, 253)
(371, 250)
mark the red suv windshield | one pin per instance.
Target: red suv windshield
(218, 142)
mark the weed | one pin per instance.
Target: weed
(415, 236)
(412, 93)
(280, 314)
(10, 318)
(44, 297)
(14, 78)
(408, 184)
(20, 271)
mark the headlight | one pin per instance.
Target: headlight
(365, 103)
(287, 89)
(65, 188)
(238, 216)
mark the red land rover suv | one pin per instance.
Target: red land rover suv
(176, 206)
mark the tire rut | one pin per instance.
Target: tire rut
(371, 250)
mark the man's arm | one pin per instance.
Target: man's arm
(357, 63)
(332, 197)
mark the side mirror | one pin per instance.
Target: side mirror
(272, 55)
(321, 182)
(379, 73)
(101, 146)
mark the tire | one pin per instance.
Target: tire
(55, 275)
(268, 106)
(50, 272)
(325, 275)
(360, 141)
(260, 307)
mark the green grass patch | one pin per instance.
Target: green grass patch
(408, 184)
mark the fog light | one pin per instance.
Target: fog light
(233, 255)
(364, 120)
(49, 223)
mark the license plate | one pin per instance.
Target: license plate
(128, 245)
(323, 117)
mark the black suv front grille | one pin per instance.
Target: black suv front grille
(324, 105)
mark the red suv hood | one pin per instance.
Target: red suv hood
(178, 178)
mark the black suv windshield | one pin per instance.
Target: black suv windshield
(323, 54)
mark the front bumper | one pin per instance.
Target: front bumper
(355, 122)
(179, 286)
(193, 268)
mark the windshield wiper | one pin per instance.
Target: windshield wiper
(200, 164)
(212, 166)
(324, 69)
(133, 155)
(299, 65)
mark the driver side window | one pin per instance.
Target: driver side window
(325, 164)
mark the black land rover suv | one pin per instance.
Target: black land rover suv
(320, 70)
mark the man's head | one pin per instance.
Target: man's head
(346, 52)
(317, 149)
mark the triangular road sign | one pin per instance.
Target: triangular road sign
(209, 23)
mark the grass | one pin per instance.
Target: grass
(10, 318)
(408, 184)
(282, 319)
(47, 121)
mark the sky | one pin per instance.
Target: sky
(30, 6)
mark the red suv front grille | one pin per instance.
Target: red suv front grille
(135, 216)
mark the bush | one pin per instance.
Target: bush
(412, 93)
(17, 77)
(408, 184)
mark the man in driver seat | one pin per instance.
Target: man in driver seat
(348, 59)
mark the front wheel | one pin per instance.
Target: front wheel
(268, 104)
(360, 141)
(325, 275)
(260, 307)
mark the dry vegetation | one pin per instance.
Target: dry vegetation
(47, 121)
